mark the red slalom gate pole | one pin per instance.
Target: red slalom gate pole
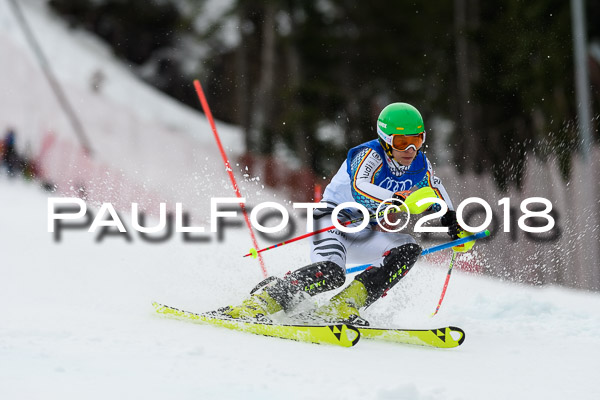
(206, 109)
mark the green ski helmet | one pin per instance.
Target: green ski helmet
(400, 119)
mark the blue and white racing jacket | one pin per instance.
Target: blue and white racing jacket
(369, 176)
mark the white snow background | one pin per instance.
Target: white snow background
(78, 323)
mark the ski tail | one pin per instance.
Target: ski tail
(344, 335)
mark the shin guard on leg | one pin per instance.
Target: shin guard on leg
(396, 263)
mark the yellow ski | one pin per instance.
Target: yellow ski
(446, 337)
(344, 335)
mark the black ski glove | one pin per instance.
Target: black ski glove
(449, 220)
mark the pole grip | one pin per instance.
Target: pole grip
(475, 236)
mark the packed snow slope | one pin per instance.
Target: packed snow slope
(78, 323)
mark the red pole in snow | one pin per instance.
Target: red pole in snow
(228, 168)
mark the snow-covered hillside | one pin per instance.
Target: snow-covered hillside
(145, 145)
(78, 323)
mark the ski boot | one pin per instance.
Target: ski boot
(255, 308)
(275, 294)
(344, 306)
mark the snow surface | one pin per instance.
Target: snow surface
(78, 323)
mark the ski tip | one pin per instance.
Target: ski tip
(460, 331)
(159, 308)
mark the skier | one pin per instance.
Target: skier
(384, 168)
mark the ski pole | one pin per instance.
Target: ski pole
(452, 260)
(452, 243)
(454, 256)
(254, 253)
(209, 116)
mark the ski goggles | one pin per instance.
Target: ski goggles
(405, 142)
